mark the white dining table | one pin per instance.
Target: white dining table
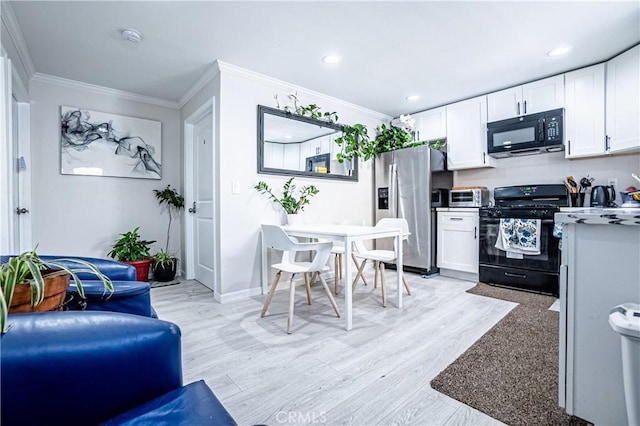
(347, 234)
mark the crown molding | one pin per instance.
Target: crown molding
(72, 84)
(225, 67)
(17, 86)
(15, 33)
(205, 78)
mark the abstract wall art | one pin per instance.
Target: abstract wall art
(102, 144)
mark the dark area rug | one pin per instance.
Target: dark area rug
(511, 373)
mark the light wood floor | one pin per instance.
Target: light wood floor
(376, 374)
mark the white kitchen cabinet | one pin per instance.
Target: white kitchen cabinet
(623, 102)
(273, 155)
(584, 112)
(537, 96)
(467, 134)
(431, 124)
(457, 241)
(291, 157)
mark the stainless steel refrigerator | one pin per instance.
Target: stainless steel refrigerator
(405, 182)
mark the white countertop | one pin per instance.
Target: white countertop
(457, 209)
(597, 216)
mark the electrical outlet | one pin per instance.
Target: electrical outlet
(613, 182)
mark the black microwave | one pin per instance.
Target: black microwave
(526, 135)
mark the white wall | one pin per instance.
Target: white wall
(552, 168)
(240, 92)
(83, 215)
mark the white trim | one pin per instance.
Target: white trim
(7, 156)
(237, 295)
(72, 84)
(15, 33)
(205, 78)
(252, 75)
(20, 91)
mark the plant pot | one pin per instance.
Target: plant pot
(55, 291)
(142, 269)
(165, 272)
(294, 219)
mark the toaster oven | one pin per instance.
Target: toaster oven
(468, 197)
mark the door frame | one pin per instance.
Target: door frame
(206, 109)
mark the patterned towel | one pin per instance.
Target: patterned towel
(519, 236)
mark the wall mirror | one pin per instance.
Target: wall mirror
(290, 144)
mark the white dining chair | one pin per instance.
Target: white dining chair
(338, 251)
(276, 238)
(380, 257)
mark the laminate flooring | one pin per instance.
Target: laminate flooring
(378, 373)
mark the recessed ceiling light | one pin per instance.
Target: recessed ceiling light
(131, 34)
(558, 51)
(331, 59)
(287, 136)
(412, 97)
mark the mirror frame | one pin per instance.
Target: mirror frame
(262, 110)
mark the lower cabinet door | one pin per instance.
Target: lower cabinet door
(458, 241)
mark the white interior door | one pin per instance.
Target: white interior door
(202, 205)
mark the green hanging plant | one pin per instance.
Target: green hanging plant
(355, 142)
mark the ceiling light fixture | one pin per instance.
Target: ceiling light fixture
(412, 97)
(131, 34)
(331, 59)
(558, 51)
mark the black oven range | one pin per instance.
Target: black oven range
(517, 246)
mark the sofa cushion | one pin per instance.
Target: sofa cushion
(193, 404)
(129, 297)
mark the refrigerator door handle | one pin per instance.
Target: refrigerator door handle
(393, 190)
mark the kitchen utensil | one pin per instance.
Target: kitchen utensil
(573, 184)
(585, 183)
(603, 196)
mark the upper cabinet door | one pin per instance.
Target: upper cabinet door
(467, 134)
(431, 124)
(543, 95)
(504, 104)
(537, 96)
(584, 114)
(622, 101)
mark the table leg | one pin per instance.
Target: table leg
(399, 267)
(265, 268)
(348, 280)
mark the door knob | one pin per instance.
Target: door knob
(193, 209)
(21, 210)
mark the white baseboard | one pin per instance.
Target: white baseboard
(467, 276)
(237, 295)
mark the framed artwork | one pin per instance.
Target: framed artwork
(102, 144)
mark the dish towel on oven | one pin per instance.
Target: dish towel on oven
(519, 236)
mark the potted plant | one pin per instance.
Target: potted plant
(165, 265)
(129, 248)
(355, 142)
(29, 284)
(293, 201)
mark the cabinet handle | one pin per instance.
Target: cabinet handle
(569, 147)
(475, 232)
(525, 107)
(518, 108)
(455, 218)
(484, 158)
(607, 140)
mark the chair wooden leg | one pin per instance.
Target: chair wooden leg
(376, 267)
(313, 277)
(307, 284)
(359, 274)
(406, 284)
(360, 268)
(270, 295)
(340, 257)
(292, 289)
(384, 291)
(331, 299)
(336, 273)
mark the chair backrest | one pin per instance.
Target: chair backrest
(276, 238)
(395, 222)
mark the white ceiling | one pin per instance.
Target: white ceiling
(442, 51)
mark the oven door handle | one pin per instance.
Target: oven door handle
(509, 274)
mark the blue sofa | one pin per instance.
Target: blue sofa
(87, 368)
(129, 296)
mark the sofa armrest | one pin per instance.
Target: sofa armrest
(84, 367)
